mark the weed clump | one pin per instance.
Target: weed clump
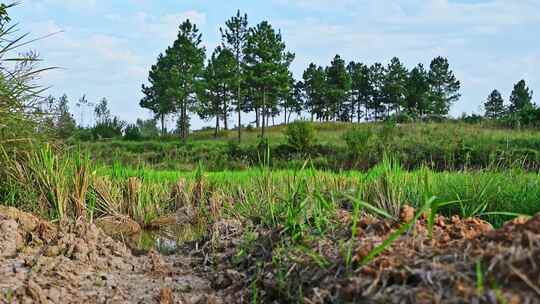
(301, 136)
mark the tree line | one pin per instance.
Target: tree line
(250, 72)
(520, 111)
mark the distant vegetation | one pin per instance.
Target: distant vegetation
(249, 73)
(452, 145)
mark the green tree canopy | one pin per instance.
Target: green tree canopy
(521, 96)
(234, 38)
(267, 66)
(377, 74)
(338, 88)
(395, 84)
(494, 105)
(444, 87)
(315, 90)
(155, 95)
(175, 78)
(293, 99)
(417, 91)
(219, 86)
(360, 87)
(65, 123)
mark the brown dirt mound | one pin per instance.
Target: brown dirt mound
(420, 269)
(77, 262)
(416, 268)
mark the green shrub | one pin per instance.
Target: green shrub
(357, 139)
(300, 135)
(132, 132)
(110, 128)
(84, 134)
(401, 118)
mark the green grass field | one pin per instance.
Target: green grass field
(388, 186)
(445, 146)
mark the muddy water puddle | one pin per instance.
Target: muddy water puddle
(166, 240)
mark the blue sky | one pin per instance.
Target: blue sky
(107, 46)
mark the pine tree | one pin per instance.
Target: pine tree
(417, 91)
(444, 87)
(378, 99)
(219, 87)
(156, 97)
(521, 97)
(494, 105)
(267, 66)
(102, 112)
(185, 63)
(360, 88)
(315, 90)
(65, 123)
(234, 38)
(293, 99)
(338, 87)
(394, 87)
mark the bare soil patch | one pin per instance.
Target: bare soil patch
(77, 262)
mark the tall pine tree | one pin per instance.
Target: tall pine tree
(444, 87)
(234, 38)
(219, 87)
(314, 90)
(267, 66)
(395, 82)
(417, 92)
(338, 87)
(360, 88)
(494, 105)
(521, 97)
(377, 74)
(186, 57)
(155, 95)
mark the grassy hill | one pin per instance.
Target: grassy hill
(336, 146)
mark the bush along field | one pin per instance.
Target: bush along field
(305, 235)
(334, 146)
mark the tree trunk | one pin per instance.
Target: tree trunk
(239, 115)
(225, 122)
(367, 111)
(263, 113)
(358, 112)
(184, 121)
(162, 117)
(238, 97)
(225, 111)
(285, 108)
(217, 127)
(257, 117)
